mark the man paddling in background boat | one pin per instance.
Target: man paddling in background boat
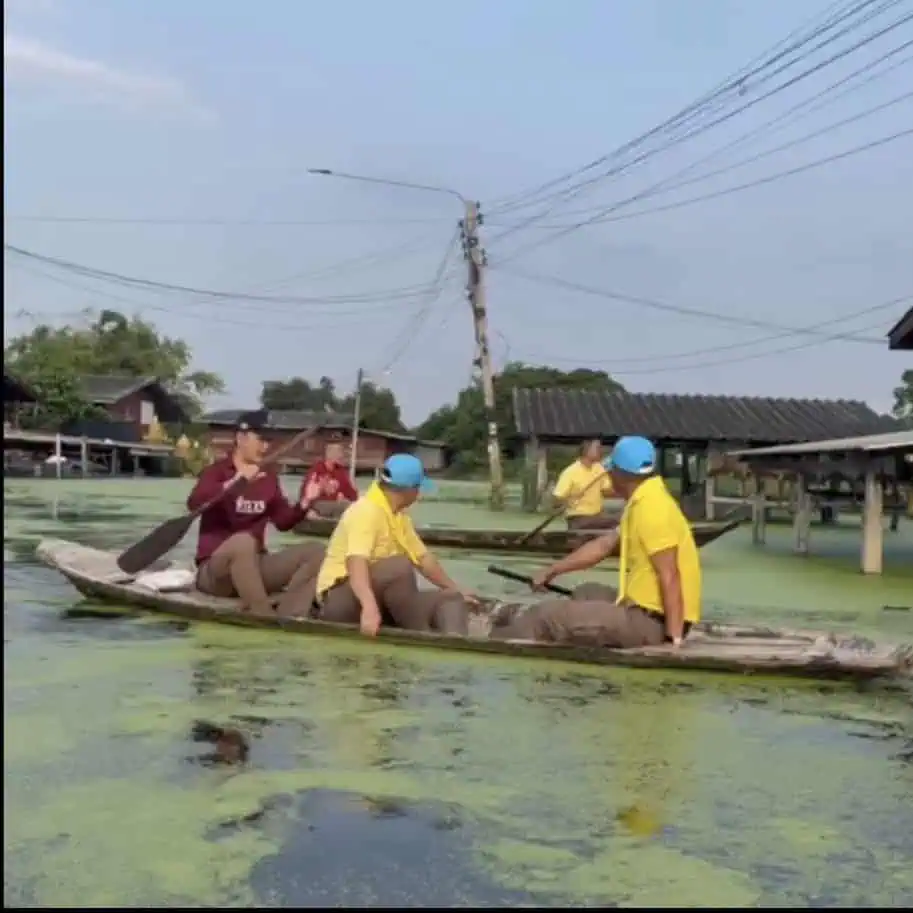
(337, 491)
(368, 574)
(659, 594)
(231, 558)
(582, 486)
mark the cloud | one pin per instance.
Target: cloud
(33, 60)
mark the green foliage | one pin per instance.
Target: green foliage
(60, 400)
(903, 398)
(52, 359)
(462, 425)
(379, 409)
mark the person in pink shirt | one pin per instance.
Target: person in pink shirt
(337, 491)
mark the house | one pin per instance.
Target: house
(900, 336)
(133, 405)
(373, 446)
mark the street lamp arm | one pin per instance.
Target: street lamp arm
(429, 188)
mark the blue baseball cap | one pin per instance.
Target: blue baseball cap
(403, 470)
(635, 455)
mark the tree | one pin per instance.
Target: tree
(903, 398)
(462, 425)
(379, 409)
(298, 394)
(52, 360)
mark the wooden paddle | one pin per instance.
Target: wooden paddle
(525, 578)
(168, 534)
(560, 510)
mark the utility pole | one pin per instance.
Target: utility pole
(475, 260)
(356, 420)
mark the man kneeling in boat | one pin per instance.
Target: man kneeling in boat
(232, 559)
(368, 575)
(337, 491)
(659, 595)
(582, 486)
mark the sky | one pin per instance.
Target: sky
(172, 141)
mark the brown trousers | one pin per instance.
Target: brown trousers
(589, 618)
(238, 568)
(402, 603)
(596, 521)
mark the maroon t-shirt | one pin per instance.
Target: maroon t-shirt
(335, 479)
(247, 508)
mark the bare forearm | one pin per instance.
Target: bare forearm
(360, 582)
(430, 568)
(670, 586)
(588, 555)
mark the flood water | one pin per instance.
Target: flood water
(391, 776)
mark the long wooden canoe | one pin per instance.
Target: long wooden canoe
(550, 542)
(710, 647)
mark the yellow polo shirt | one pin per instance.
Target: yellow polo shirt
(571, 488)
(366, 530)
(653, 522)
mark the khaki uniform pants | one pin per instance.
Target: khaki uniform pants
(402, 603)
(590, 618)
(238, 568)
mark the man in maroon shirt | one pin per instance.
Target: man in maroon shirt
(337, 491)
(232, 559)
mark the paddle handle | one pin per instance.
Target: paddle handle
(557, 513)
(270, 458)
(525, 578)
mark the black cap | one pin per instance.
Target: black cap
(252, 421)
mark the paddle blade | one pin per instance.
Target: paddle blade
(152, 547)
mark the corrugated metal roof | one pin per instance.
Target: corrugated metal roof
(868, 443)
(581, 414)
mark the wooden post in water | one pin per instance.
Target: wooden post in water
(872, 518)
(84, 455)
(58, 455)
(758, 512)
(802, 521)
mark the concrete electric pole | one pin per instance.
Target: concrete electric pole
(475, 260)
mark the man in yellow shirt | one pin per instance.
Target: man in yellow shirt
(581, 488)
(368, 574)
(659, 594)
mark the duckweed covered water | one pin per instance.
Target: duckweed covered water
(386, 776)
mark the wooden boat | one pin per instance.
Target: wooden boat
(710, 647)
(550, 542)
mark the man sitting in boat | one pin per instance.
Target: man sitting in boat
(582, 486)
(368, 575)
(231, 558)
(659, 594)
(337, 490)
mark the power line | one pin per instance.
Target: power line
(803, 108)
(694, 353)
(155, 285)
(181, 310)
(731, 84)
(761, 182)
(726, 191)
(214, 222)
(702, 129)
(739, 358)
(725, 361)
(654, 304)
(415, 323)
